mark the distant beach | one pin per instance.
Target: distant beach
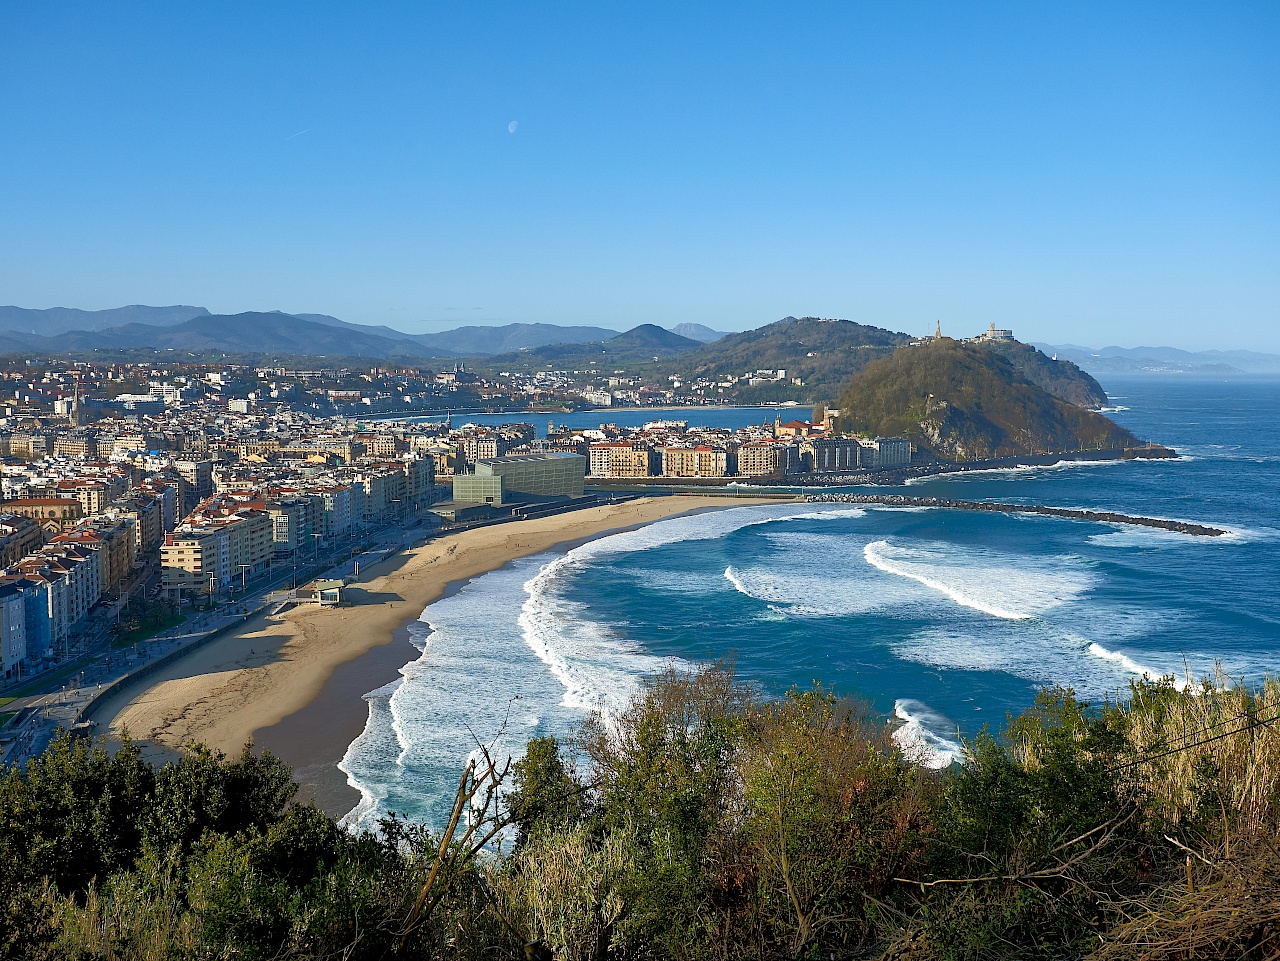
(294, 682)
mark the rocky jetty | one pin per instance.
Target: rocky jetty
(1106, 517)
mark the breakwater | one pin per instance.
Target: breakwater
(1106, 517)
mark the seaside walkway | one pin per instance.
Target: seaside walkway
(71, 697)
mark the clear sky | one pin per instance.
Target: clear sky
(1098, 174)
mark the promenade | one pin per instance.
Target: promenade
(65, 697)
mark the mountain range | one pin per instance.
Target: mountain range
(830, 352)
(1165, 360)
(63, 329)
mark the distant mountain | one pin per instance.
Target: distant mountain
(486, 341)
(965, 402)
(250, 333)
(1059, 377)
(61, 329)
(641, 343)
(1165, 360)
(59, 320)
(651, 337)
(698, 332)
(476, 341)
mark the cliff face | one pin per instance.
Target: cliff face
(965, 402)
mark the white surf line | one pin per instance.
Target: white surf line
(873, 557)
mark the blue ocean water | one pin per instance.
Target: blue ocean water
(945, 619)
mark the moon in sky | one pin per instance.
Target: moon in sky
(511, 127)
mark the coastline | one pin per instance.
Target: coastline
(293, 682)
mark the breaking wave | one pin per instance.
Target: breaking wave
(997, 585)
(925, 735)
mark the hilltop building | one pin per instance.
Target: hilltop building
(994, 333)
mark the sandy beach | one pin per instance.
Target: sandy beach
(293, 682)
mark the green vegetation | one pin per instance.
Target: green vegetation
(822, 354)
(839, 348)
(966, 402)
(144, 619)
(1061, 378)
(713, 824)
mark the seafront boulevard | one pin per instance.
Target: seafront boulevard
(65, 700)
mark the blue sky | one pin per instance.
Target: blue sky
(1087, 173)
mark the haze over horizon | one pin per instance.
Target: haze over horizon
(1094, 176)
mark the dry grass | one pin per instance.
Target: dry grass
(1220, 749)
(1223, 908)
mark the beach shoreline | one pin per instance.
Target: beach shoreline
(294, 683)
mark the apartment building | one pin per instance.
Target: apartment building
(67, 579)
(832, 454)
(700, 461)
(886, 452)
(19, 536)
(146, 511)
(114, 542)
(768, 458)
(623, 459)
(212, 551)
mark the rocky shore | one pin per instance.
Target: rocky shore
(1106, 517)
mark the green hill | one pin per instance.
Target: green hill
(965, 402)
(821, 353)
(1061, 378)
(640, 344)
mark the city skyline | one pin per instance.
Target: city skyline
(1094, 177)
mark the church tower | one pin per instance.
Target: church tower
(73, 415)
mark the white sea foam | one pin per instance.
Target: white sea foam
(598, 671)
(377, 740)
(1133, 667)
(703, 527)
(510, 655)
(1018, 470)
(926, 735)
(1002, 585)
(813, 590)
(1047, 654)
(476, 679)
(1151, 538)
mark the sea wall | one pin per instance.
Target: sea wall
(1106, 517)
